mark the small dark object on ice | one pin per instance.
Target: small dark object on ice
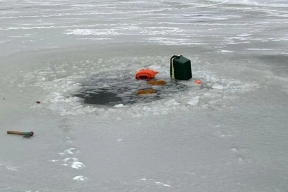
(25, 134)
(38, 102)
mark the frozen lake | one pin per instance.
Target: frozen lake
(229, 134)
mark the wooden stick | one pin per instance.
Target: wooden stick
(31, 133)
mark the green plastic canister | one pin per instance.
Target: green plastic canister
(180, 68)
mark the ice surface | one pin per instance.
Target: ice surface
(217, 86)
(171, 102)
(194, 101)
(227, 134)
(63, 94)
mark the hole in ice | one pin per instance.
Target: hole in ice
(113, 89)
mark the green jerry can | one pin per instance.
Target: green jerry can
(180, 68)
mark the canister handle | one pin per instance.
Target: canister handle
(172, 65)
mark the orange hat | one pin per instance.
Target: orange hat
(146, 74)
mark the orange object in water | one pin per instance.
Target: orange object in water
(158, 82)
(145, 91)
(198, 82)
(146, 74)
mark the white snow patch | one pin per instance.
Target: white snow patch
(156, 182)
(226, 51)
(244, 35)
(77, 165)
(53, 160)
(93, 32)
(68, 151)
(119, 105)
(73, 162)
(165, 185)
(11, 168)
(173, 41)
(258, 49)
(70, 159)
(80, 178)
